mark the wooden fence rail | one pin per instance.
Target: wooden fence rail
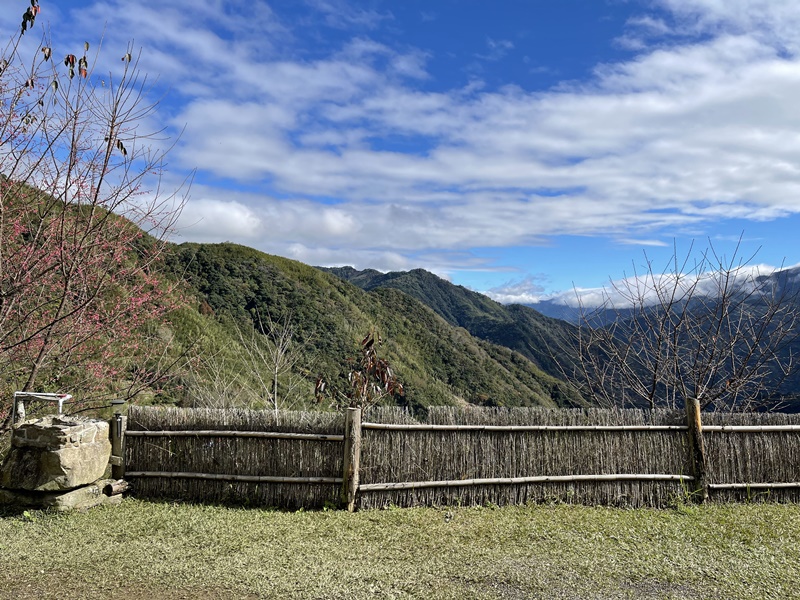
(372, 487)
(514, 428)
(749, 428)
(284, 435)
(226, 477)
(642, 459)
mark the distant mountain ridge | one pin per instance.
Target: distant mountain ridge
(782, 287)
(556, 310)
(521, 328)
(784, 280)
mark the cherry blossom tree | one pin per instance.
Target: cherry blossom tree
(83, 221)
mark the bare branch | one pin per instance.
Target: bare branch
(713, 329)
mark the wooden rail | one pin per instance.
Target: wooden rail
(749, 428)
(753, 486)
(226, 477)
(521, 428)
(284, 435)
(375, 487)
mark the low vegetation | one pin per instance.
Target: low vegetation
(155, 550)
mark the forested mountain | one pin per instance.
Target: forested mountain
(236, 289)
(556, 310)
(520, 328)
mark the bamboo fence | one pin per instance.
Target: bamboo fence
(521, 455)
(290, 460)
(461, 456)
(762, 465)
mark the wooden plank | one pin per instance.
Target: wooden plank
(374, 487)
(753, 486)
(749, 428)
(285, 435)
(514, 428)
(226, 477)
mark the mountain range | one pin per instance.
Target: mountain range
(443, 341)
(261, 331)
(543, 339)
(539, 338)
(251, 329)
(446, 343)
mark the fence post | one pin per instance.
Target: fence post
(352, 457)
(17, 409)
(118, 425)
(697, 453)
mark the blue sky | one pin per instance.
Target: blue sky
(519, 148)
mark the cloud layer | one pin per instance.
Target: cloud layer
(349, 153)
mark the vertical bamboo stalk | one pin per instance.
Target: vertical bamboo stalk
(118, 426)
(697, 453)
(352, 457)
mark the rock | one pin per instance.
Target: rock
(80, 499)
(56, 453)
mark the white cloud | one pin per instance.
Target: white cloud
(647, 289)
(777, 21)
(652, 25)
(336, 257)
(644, 242)
(347, 152)
(526, 291)
(344, 15)
(214, 221)
(410, 65)
(496, 49)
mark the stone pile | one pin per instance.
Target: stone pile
(57, 462)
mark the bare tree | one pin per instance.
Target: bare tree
(217, 381)
(262, 369)
(712, 329)
(273, 354)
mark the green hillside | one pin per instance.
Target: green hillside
(235, 288)
(517, 327)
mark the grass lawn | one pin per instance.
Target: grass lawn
(160, 550)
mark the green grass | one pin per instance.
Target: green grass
(161, 550)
